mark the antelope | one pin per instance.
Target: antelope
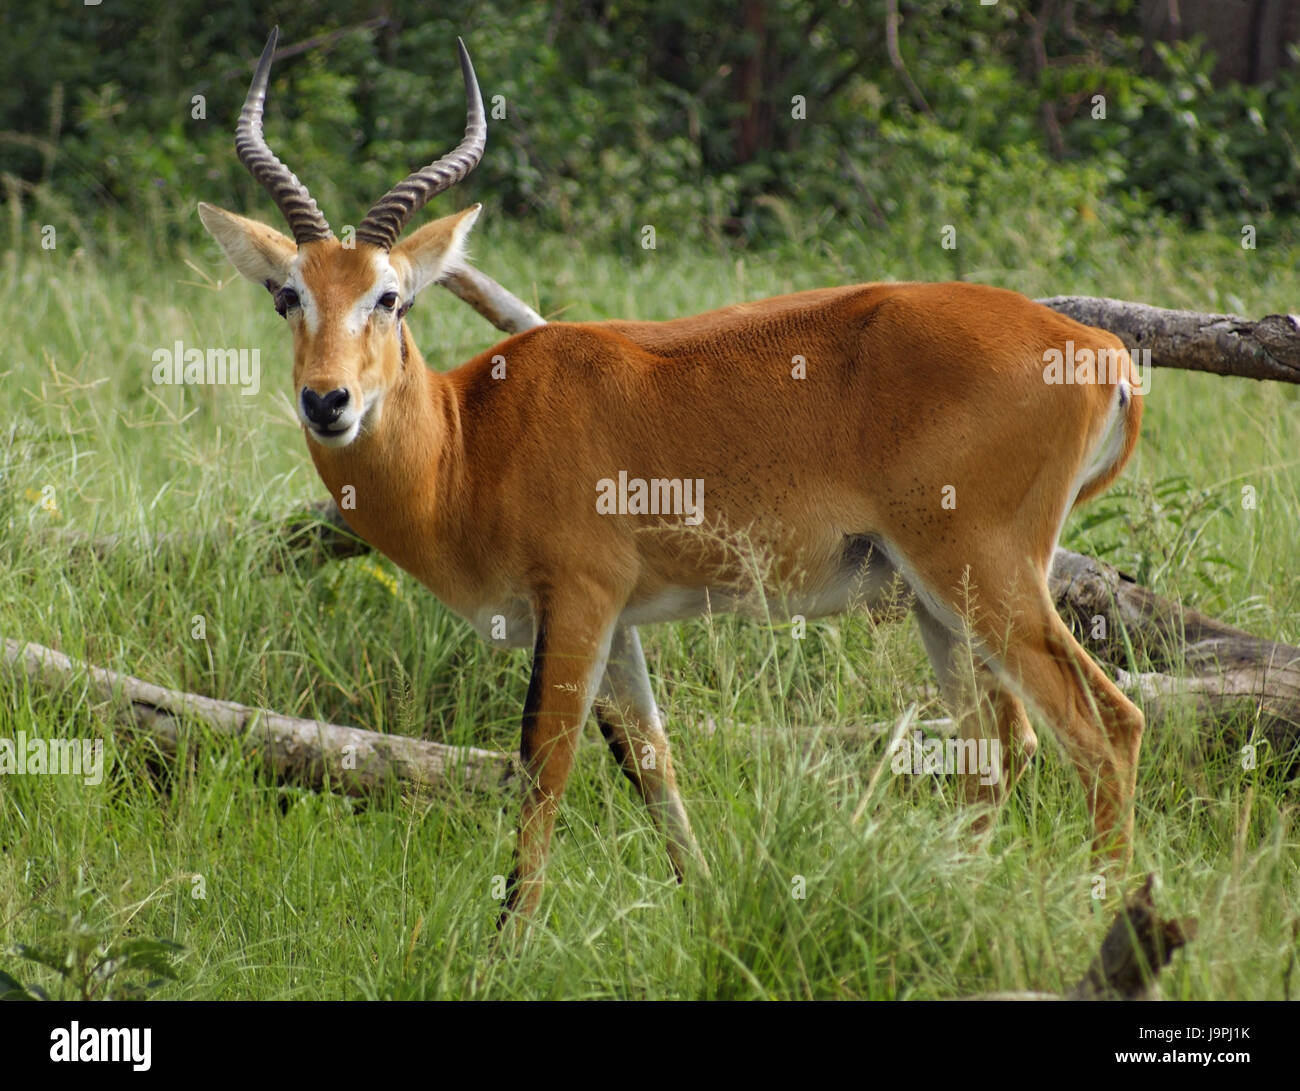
(915, 441)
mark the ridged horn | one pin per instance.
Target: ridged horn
(387, 217)
(289, 194)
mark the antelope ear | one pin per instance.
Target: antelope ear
(259, 252)
(432, 251)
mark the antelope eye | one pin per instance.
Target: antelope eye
(285, 299)
(387, 301)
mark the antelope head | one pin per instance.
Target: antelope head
(345, 303)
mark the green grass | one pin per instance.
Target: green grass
(309, 895)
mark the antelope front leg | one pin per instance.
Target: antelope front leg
(569, 658)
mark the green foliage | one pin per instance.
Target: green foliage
(1198, 150)
(607, 118)
(89, 960)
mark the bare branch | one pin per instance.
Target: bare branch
(307, 751)
(505, 311)
(892, 20)
(1138, 946)
(1224, 344)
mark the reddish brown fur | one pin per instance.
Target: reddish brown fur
(484, 488)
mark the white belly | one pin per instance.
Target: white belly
(860, 583)
(869, 585)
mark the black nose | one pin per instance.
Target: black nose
(323, 411)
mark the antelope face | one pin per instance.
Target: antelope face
(342, 308)
(345, 304)
(345, 309)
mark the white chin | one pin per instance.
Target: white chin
(340, 438)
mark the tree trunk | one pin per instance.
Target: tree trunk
(1249, 37)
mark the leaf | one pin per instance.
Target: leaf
(34, 954)
(12, 989)
(1226, 562)
(144, 954)
(130, 992)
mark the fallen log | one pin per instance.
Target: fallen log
(357, 762)
(1222, 344)
(308, 752)
(1230, 675)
